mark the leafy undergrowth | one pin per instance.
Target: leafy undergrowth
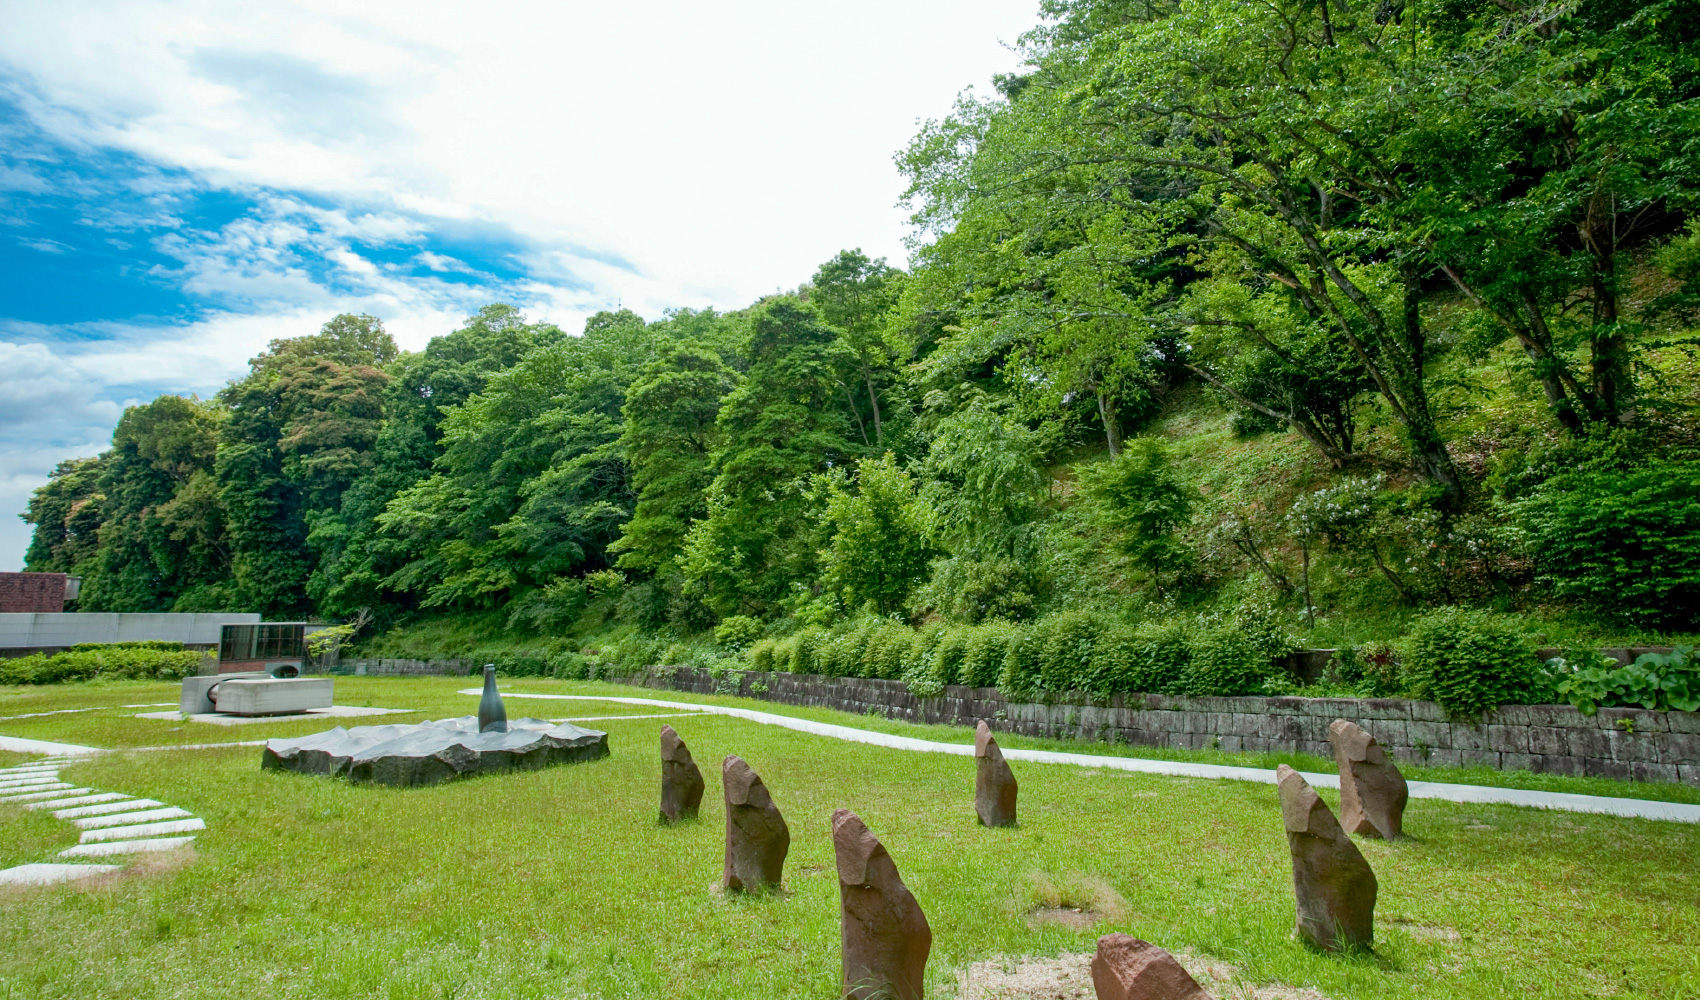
(560, 884)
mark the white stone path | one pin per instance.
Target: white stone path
(1678, 812)
(112, 823)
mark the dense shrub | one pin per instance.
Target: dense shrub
(569, 665)
(738, 632)
(760, 654)
(1469, 661)
(1624, 540)
(1225, 662)
(946, 665)
(806, 650)
(120, 661)
(1018, 681)
(1370, 670)
(163, 645)
(885, 648)
(1068, 641)
(1151, 658)
(984, 653)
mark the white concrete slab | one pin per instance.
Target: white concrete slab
(106, 807)
(20, 784)
(120, 819)
(142, 830)
(1678, 812)
(220, 719)
(124, 847)
(78, 800)
(50, 874)
(41, 792)
(31, 766)
(18, 744)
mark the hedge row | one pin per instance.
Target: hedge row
(116, 661)
(1070, 651)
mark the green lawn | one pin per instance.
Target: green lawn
(559, 884)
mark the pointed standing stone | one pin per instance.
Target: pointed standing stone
(1332, 883)
(492, 714)
(994, 784)
(1127, 968)
(681, 782)
(1372, 791)
(884, 934)
(757, 838)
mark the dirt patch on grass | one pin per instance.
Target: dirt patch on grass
(1075, 901)
(1069, 977)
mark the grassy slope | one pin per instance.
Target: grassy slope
(548, 884)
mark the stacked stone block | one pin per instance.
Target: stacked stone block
(1624, 743)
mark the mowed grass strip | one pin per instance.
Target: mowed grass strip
(560, 884)
(438, 697)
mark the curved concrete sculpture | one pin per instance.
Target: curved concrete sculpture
(429, 753)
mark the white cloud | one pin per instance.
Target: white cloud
(727, 148)
(652, 155)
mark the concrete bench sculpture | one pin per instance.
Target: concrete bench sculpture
(254, 693)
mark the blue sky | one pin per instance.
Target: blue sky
(182, 182)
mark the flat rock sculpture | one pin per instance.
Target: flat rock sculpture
(1126, 968)
(1332, 883)
(429, 753)
(681, 781)
(757, 838)
(884, 934)
(994, 783)
(1372, 791)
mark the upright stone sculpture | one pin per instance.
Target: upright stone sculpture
(681, 782)
(1332, 883)
(757, 838)
(492, 714)
(1127, 968)
(1372, 791)
(994, 784)
(884, 934)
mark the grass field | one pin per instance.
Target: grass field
(559, 884)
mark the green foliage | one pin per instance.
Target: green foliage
(877, 550)
(1140, 500)
(738, 632)
(1655, 681)
(1151, 658)
(113, 661)
(984, 654)
(1470, 662)
(1626, 540)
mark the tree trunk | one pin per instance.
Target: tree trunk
(874, 402)
(1112, 433)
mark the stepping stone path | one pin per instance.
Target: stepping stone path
(112, 823)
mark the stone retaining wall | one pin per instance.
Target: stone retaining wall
(406, 668)
(1625, 743)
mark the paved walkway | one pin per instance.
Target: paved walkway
(112, 823)
(1677, 812)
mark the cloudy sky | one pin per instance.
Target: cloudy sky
(181, 182)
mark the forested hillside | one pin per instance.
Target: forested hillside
(1279, 318)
